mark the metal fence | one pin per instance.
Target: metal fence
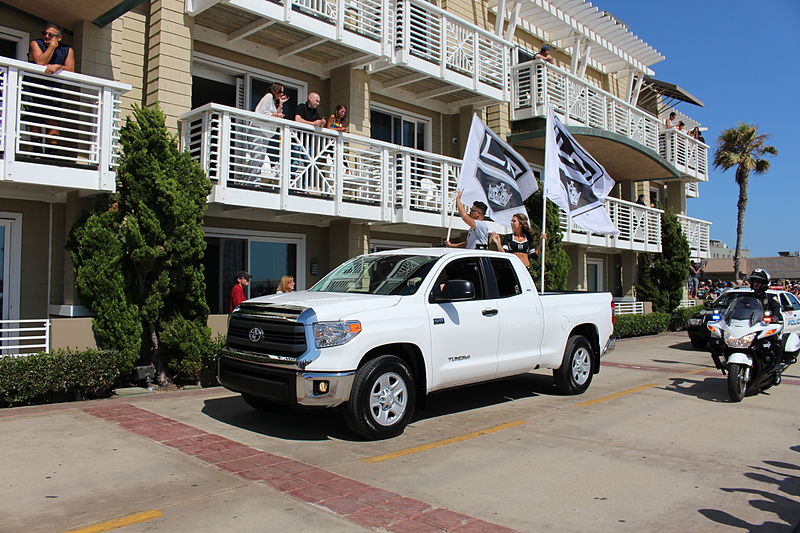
(24, 337)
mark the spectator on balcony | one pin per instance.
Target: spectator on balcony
(54, 56)
(308, 113)
(268, 138)
(641, 200)
(670, 122)
(477, 236)
(544, 53)
(695, 133)
(680, 126)
(520, 241)
(338, 120)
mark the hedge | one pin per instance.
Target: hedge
(636, 325)
(61, 375)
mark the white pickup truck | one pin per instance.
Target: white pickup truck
(383, 330)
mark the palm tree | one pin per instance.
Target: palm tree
(742, 147)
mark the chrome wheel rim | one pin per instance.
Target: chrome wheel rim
(581, 365)
(388, 399)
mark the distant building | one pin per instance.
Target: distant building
(779, 267)
(720, 250)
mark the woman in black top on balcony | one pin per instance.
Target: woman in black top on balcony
(520, 241)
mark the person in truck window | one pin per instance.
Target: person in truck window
(520, 241)
(477, 236)
(238, 290)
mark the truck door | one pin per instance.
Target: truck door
(463, 334)
(521, 323)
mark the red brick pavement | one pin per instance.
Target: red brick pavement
(347, 498)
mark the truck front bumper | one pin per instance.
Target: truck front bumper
(286, 386)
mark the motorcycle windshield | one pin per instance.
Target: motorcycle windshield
(747, 308)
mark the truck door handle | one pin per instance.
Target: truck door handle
(489, 312)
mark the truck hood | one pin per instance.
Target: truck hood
(330, 305)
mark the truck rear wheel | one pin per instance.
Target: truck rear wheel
(382, 399)
(577, 366)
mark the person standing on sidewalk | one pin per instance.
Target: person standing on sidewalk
(237, 292)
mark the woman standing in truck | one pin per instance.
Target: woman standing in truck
(520, 241)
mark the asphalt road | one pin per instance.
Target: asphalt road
(653, 445)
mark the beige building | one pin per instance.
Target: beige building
(294, 199)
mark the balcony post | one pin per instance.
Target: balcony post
(106, 118)
(404, 7)
(386, 34)
(11, 118)
(286, 166)
(387, 181)
(476, 69)
(340, 11)
(224, 150)
(443, 49)
(338, 174)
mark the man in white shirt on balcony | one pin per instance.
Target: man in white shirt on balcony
(670, 122)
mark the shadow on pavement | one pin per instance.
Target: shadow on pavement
(708, 389)
(775, 491)
(683, 363)
(686, 347)
(313, 424)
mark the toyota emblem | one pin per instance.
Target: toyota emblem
(256, 334)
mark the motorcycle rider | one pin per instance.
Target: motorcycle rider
(759, 281)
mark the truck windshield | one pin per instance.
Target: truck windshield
(378, 274)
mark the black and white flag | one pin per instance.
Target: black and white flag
(575, 180)
(495, 174)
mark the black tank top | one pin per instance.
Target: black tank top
(59, 55)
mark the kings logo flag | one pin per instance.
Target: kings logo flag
(493, 173)
(575, 180)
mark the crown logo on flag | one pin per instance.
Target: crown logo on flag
(574, 193)
(499, 195)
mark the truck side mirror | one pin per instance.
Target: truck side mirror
(455, 290)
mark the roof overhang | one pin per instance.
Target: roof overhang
(70, 14)
(668, 93)
(623, 158)
(615, 47)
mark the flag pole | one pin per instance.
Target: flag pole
(548, 134)
(450, 222)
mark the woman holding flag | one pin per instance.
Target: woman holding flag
(520, 241)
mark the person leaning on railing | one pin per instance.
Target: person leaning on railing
(50, 53)
(544, 53)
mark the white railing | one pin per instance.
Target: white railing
(698, 233)
(639, 228)
(685, 153)
(64, 119)
(24, 337)
(692, 190)
(434, 35)
(537, 83)
(316, 170)
(628, 306)
(687, 303)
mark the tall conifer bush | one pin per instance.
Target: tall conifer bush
(153, 228)
(663, 276)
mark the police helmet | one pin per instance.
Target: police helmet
(761, 276)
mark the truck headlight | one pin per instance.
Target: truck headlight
(739, 342)
(327, 334)
(695, 321)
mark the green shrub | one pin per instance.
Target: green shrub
(681, 315)
(208, 374)
(59, 376)
(636, 325)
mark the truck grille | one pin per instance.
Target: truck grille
(268, 330)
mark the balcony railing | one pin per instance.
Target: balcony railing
(537, 83)
(639, 228)
(411, 33)
(698, 233)
(67, 120)
(24, 337)
(259, 161)
(685, 153)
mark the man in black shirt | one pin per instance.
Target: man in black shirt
(308, 113)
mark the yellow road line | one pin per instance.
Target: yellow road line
(424, 447)
(117, 523)
(699, 370)
(617, 395)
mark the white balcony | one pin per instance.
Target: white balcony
(270, 163)
(535, 84)
(698, 233)
(639, 228)
(83, 110)
(692, 190)
(410, 43)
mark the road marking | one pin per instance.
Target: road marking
(700, 370)
(424, 447)
(617, 395)
(117, 523)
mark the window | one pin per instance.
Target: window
(399, 128)
(793, 301)
(507, 280)
(467, 269)
(524, 55)
(13, 43)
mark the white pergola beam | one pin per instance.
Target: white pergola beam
(296, 48)
(405, 80)
(249, 29)
(195, 7)
(346, 60)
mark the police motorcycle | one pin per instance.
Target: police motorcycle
(746, 343)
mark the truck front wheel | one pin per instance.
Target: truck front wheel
(382, 399)
(576, 371)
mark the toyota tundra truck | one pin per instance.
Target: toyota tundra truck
(383, 330)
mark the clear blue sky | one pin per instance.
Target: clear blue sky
(742, 60)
